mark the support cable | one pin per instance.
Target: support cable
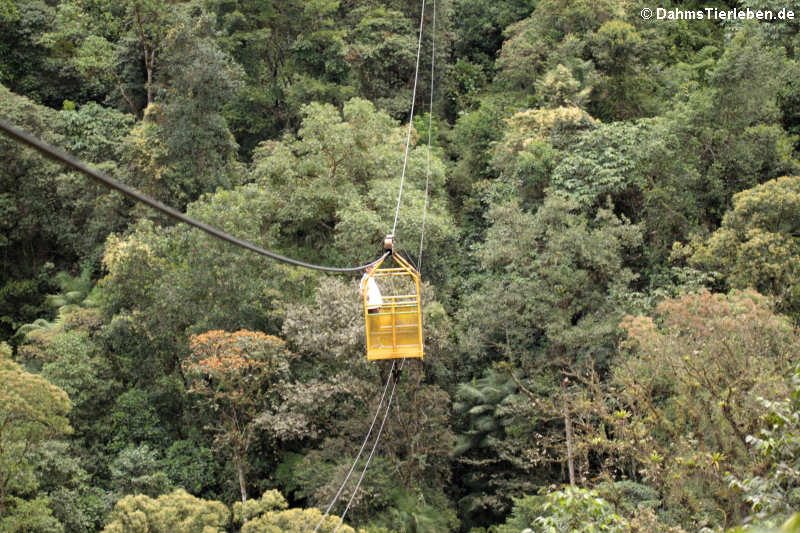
(64, 158)
(410, 119)
(372, 452)
(430, 133)
(363, 445)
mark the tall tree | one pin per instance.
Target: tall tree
(32, 410)
(233, 374)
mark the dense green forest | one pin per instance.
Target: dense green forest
(611, 266)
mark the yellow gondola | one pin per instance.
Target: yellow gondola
(394, 330)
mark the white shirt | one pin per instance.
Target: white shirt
(374, 298)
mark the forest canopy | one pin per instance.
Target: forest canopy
(604, 206)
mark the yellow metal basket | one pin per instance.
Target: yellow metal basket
(394, 331)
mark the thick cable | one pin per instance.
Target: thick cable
(66, 159)
(410, 119)
(363, 445)
(430, 133)
(372, 452)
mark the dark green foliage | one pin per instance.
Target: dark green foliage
(137, 470)
(477, 403)
(134, 420)
(21, 302)
(479, 27)
(191, 465)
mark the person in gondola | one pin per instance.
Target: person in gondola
(373, 292)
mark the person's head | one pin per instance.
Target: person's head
(369, 269)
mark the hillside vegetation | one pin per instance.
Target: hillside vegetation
(611, 267)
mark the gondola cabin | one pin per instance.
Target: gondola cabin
(393, 316)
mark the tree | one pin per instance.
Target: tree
(114, 44)
(176, 511)
(338, 180)
(556, 280)
(233, 374)
(32, 410)
(757, 245)
(479, 25)
(569, 509)
(481, 420)
(183, 147)
(688, 390)
(733, 126)
(294, 521)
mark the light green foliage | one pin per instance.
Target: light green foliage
(688, 392)
(271, 500)
(32, 410)
(294, 521)
(792, 525)
(609, 160)
(28, 516)
(169, 513)
(71, 362)
(569, 509)
(757, 245)
(95, 133)
(8, 11)
(338, 180)
(558, 87)
(535, 141)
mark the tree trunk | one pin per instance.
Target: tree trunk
(568, 429)
(149, 64)
(242, 486)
